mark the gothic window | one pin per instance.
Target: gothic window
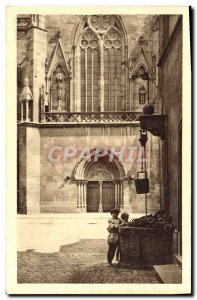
(102, 70)
(112, 70)
(89, 71)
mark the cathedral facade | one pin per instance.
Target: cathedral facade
(82, 84)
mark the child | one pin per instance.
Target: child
(114, 223)
(124, 218)
(124, 222)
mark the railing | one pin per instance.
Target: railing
(90, 117)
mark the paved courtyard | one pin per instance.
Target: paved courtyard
(70, 249)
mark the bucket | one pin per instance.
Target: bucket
(142, 183)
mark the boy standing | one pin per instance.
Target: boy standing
(114, 223)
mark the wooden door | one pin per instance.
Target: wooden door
(93, 196)
(108, 196)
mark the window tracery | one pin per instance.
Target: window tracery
(112, 74)
(102, 72)
(101, 22)
(89, 71)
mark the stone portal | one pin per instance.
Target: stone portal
(100, 183)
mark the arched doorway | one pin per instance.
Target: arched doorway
(100, 183)
(100, 187)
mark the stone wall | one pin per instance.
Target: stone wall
(22, 170)
(58, 198)
(171, 105)
(36, 44)
(29, 170)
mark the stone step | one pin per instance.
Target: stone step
(169, 273)
(178, 260)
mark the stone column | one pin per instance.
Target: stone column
(85, 197)
(126, 78)
(73, 82)
(101, 196)
(50, 93)
(82, 196)
(21, 111)
(86, 80)
(118, 195)
(78, 194)
(102, 76)
(121, 195)
(116, 198)
(131, 95)
(76, 79)
(27, 111)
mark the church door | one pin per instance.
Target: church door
(93, 196)
(103, 194)
(108, 196)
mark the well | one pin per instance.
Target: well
(141, 246)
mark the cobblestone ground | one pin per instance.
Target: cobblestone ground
(81, 262)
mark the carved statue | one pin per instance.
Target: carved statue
(59, 86)
(142, 94)
(26, 94)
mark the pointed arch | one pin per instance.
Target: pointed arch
(100, 74)
(58, 57)
(58, 92)
(109, 159)
(60, 66)
(141, 61)
(81, 26)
